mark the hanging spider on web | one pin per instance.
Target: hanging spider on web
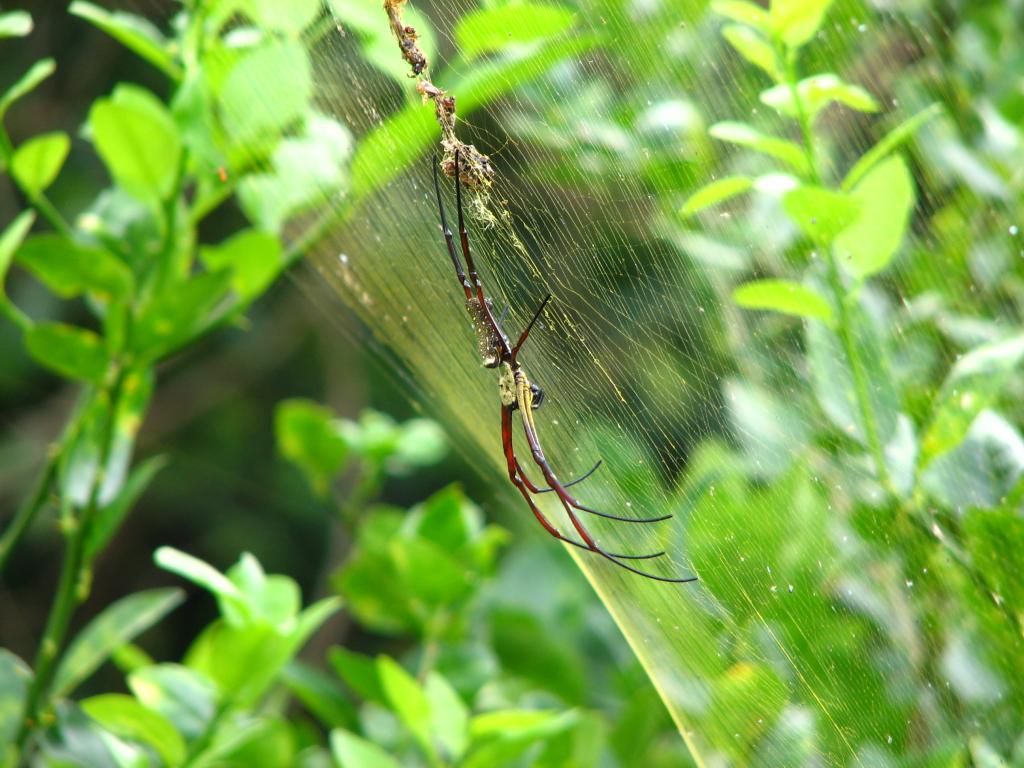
(518, 393)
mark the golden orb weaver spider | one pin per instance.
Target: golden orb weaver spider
(518, 393)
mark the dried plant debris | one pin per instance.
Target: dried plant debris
(406, 37)
(475, 170)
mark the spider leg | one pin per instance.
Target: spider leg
(567, 500)
(560, 490)
(471, 266)
(529, 327)
(464, 239)
(571, 483)
(521, 484)
(448, 237)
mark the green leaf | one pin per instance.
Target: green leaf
(199, 573)
(10, 240)
(15, 24)
(785, 296)
(118, 624)
(744, 12)
(981, 470)
(359, 673)
(70, 269)
(307, 171)
(447, 518)
(771, 427)
(388, 149)
(255, 106)
(15, 677)
(377, 596)
(886, 198)
(255, 259)
(80, 465)
(129, 410)
(795, 22)
(973, 385)
(429, 573)
(29, 81)
(245, 660)
(351, 751)
(891, 141)
(527, 649)
(176, 316)
(752, 46)
(746, 136)
(135, 33)
(816, 93)
(110, 516)
(320, 693)
(73, 352)
(130, 658)
(715, 192)
(138, 141)
(521, 725)
(995, 540)
(125, 717)
(290, 18)
(421, 443)
(308, 436)
(821, 214)
(984, 755)
(491, 29)
(273, 599)
(449, 717)
(36, 163)
(407, 700)
(240, 660)
(185, 698)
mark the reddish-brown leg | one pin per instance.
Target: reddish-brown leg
(521, 484)
(566, 499)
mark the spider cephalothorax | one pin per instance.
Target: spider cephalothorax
(518, 393)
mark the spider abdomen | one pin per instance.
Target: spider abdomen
(487, 342)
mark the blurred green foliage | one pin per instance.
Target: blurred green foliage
(880, 435)
(148, 286)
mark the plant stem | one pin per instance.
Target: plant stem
(29, 508)
(804, 120)
(840, 295)
(68, 596)
(72, 588)
(860, 382)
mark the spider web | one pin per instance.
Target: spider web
(695, 407)
(798, 645)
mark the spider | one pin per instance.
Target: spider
(518, 393)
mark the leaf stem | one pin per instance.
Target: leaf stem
(38, 200)
(803, 119)
(28, 510)
(860, 382)
(73, 586)
(69, 595)
(841, 296)
(35, 503)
